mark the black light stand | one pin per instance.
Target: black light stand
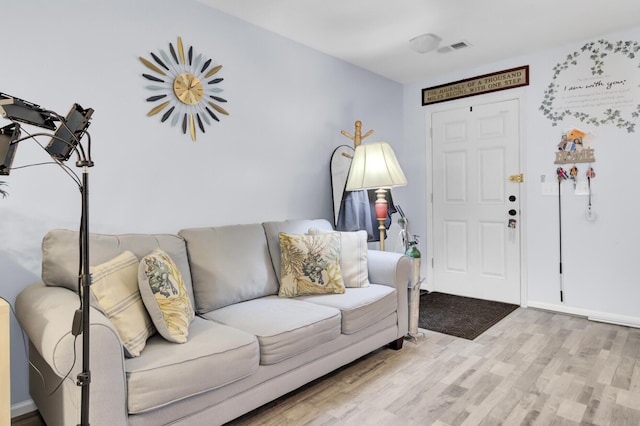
(63, 143)
(84, 378)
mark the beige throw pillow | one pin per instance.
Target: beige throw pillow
(115, 293)
(165, 296)
(310, 264)
(353, 257)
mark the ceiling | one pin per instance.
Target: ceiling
(375, 34)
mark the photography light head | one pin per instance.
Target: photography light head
(8, 134)
(16, 109)
(69, 133)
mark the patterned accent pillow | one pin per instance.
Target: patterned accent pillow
(353, 257)
(115, 293)
(165, 296)
(310, 264)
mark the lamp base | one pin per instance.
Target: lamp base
(381, 213)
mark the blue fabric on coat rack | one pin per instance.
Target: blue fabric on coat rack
(357, 212)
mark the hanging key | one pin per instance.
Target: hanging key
(562, 174)
(573, 174)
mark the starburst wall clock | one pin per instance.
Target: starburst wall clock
(186, 87)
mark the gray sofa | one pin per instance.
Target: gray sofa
(246, 345)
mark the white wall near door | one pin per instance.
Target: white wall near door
(599, 257)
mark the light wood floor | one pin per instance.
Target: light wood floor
(532, 368)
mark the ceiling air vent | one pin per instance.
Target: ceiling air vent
(455, 46)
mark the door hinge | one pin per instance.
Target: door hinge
(519, 178)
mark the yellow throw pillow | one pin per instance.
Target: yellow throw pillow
(115, 293)
(310, 264)
(165, 296)
(353, 257)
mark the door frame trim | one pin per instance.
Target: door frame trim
(515, 94)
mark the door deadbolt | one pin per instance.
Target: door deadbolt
(512, 212)
(512, 198)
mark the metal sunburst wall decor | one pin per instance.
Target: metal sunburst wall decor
(186, 85)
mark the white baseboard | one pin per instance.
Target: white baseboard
(589, 314)
(22, 408)
(615, 319)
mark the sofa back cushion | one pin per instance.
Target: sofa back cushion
(272, 229)
(60, 254)
(229, 264)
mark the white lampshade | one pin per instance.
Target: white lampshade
(374, 166)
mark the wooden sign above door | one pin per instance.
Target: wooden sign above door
(487, 83)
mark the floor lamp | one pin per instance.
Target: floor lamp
(375, 166)
(62, 144)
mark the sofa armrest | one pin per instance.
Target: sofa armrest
(46, 315)
(393, 269)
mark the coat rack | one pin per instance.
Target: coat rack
(340, 164)
(357, 137)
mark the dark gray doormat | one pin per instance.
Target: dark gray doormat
(460, 316)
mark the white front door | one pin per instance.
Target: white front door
(476, 208)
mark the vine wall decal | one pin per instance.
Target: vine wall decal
(598, 85)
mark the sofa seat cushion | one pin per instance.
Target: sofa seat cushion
(284, 327)
(213, 356)
(359, 307)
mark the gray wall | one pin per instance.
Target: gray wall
(267, 160)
